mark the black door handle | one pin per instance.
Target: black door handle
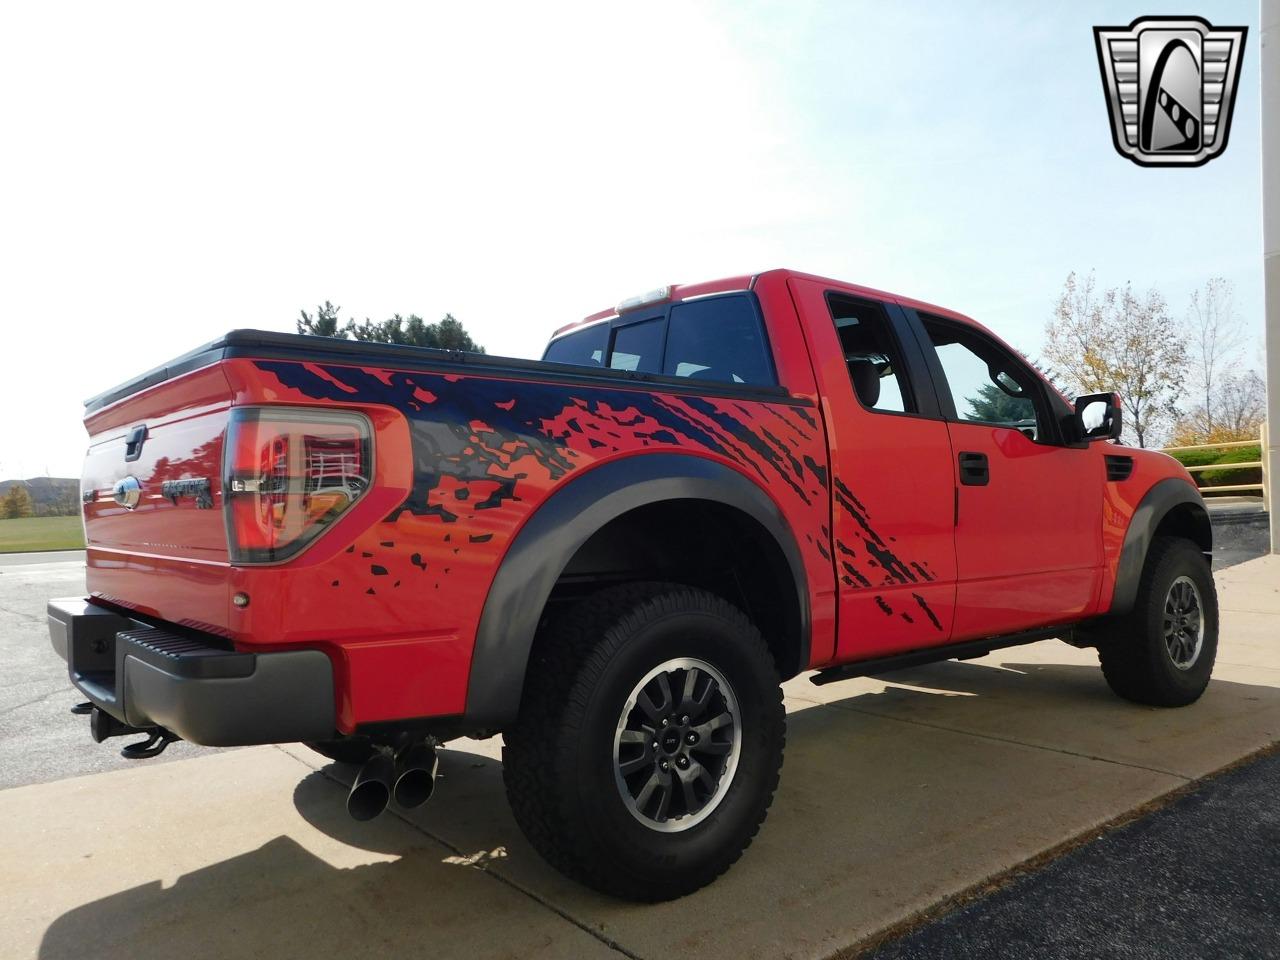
(133, 443)
(974, 470)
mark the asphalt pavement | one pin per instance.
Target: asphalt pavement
(1239, 534)
(1197, 878)
(41, 556)
(39, 738)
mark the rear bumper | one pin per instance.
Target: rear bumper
(148, 677)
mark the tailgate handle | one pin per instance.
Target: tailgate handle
(133, 443)
(974, 471)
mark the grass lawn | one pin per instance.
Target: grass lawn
(41, 533)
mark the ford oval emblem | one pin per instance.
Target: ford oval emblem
(127, 492)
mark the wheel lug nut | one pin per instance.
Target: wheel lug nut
(684, 719)
(682, 763)
(665, 765)
(665, 721)
(691, 738)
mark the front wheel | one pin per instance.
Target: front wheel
(1163, 652)
(649, 740)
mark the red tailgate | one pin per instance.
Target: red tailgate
(166, 554)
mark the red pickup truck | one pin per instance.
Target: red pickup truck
(612, 556)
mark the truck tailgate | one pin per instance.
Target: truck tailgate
(152, 494)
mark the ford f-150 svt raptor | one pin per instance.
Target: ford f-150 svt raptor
(612, 556)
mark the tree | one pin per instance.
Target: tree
(68, 504)
(1215, 334)
(17, 503)
(1241, 404)
(452, 335)
(993, 405)
(1119, 341)
(446, 334)
(323, 324)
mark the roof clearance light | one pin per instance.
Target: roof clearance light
(645, 299)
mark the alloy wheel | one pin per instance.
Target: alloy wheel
(1183, 623)
(677, 745)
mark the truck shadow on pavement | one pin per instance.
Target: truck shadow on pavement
(893, 795)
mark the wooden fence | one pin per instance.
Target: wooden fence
(1258, 488)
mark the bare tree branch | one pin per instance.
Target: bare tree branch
(1120, 341)
(1216, 336)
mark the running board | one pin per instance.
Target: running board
(969, 650)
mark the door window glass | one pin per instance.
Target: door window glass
(986, 383)
(871, 355)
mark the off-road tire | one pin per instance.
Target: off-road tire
(1135, 658)
(559, 760)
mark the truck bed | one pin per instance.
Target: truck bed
(465, 449)
(268, 345)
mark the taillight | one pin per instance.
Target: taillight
(289, 473)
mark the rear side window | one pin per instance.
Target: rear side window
(584, 347)
(638, 346)
(719, 338)
(871, 356)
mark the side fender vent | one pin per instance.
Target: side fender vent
(1119, 468)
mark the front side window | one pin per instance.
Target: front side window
(986, 383)
(871, 356)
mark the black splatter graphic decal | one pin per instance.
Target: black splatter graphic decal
(892, 568)
(819, 472)
(880, 554)
(475, 440)
(928, 613)
(466, 434)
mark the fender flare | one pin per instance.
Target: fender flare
(561, 525)
(1163, 497)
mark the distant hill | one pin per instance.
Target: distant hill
(51, 495)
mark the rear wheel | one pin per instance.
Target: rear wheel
(649, 740)
(1163, 652)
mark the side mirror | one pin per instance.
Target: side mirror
(1099, 417)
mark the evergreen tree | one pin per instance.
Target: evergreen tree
(446, 334)
(323, 323)
(993, 405)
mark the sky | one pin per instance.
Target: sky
(170, 172)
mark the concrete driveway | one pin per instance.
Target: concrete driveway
(897, 793)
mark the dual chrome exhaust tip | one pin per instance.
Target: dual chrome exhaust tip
(408, 777)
